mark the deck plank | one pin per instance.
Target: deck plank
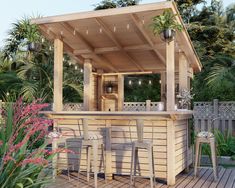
(231, 179)
(204, 180)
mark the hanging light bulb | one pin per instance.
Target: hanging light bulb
(74, 32)
(81, 70)
(101, 30)
(130, 82)
(43, 40)
(128, 26)
(143, 21)
(50, 48)
(7, 93)
(139, 82)
(61, 33)
(70, 63)
(150, 82)
(114, 28)
(76, 67)
(160, 81)
(87, 31)
(63, 59)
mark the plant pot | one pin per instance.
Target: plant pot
(109, 89)
(33, 46)
(168, 34)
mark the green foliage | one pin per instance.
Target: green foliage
(30, 74)
(22, 151)
(143, 92)
(225, 144)
(106, 4)
(165, 21)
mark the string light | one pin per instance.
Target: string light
(114, 28)
(160, 81)
(50, 48)
(128, 26)
(70, 63)
(87, 31)
(150, 82)
(74, 32)
(139, 82)
(143, 21)
(76, 67)
(43, 40)
(61, 33)
(101, 30)
(81, 70)
(130, 82)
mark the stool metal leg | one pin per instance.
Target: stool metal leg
(88, 154)
(213, 156)
(150, 158)
(95, 158)
(196, 157)
(132, 163)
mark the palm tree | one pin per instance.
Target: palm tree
(31, 72)
(106, 4)
(222, 73)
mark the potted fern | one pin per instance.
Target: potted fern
(165, 25)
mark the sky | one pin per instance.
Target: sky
(13, 10)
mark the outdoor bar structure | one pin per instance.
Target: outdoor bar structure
(111, 44)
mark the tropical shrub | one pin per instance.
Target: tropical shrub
(23, 152)
(225, 144)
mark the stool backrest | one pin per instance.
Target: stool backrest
(85, 128)
(140, 129)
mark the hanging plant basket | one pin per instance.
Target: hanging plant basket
(34, 46)
(168, 35)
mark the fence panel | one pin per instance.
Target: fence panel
(204, 112)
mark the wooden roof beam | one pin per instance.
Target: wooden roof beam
(140, 26)
(115, 41)
(104, 61)
(51, 36)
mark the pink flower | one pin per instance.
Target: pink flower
(36, 161)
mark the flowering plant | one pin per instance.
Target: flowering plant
(185, 98)
(23, 145)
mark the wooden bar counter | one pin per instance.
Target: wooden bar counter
(168, 130)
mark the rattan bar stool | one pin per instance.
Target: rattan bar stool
(142, 144)
(91, 140)
(206, 137)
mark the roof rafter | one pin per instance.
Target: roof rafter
(113, 38)
(71, 30)
(67, 48)
(140, 26)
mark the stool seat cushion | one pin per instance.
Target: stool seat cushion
(94, 136)
(205, 134)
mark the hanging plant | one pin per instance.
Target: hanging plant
(165, 25)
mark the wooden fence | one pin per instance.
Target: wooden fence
(204, 112)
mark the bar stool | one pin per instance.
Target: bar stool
(142, 144)
(91, 140)
(59, 142)
(206, 137)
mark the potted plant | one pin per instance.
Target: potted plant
(165, 25)
(185, 98)
(109, 87)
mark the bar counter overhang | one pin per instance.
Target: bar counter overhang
(110, 44)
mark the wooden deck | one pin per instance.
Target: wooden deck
(204, 180)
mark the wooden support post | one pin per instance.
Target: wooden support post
(170, 152)
(58, 75)
(87, 98)
(100, 85)
(170, 76)
(108, 152)
(183, 72)
(120, 92)
(163, 88)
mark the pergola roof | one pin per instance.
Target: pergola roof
(118, 40)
